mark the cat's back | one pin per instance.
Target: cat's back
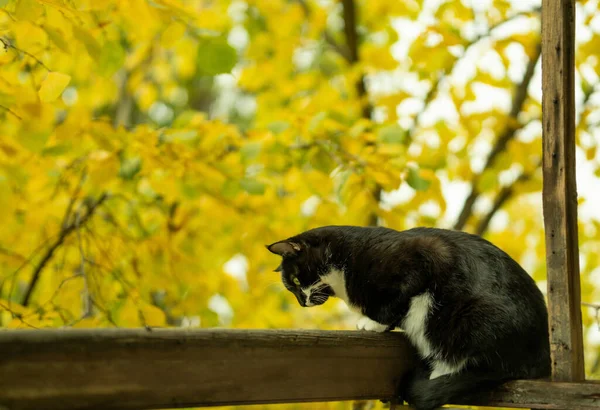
(465, 247)
(472, 260)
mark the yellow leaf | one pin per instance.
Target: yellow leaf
(173, 33)
(87, 323)
(15, 308)
(59, 5)
(378, 57)
(153, 316)
(590, 153)
(53, 86)
(27, 10)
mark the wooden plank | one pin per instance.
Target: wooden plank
(541, 394)
(560, 190)
(138, 369)
(135, 369)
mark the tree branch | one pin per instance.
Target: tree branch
(7, 44)
(86, 295)
(124, 107)
(16, 315)
(64, 233)
(339, 48)
(11, 112)
(349, 9)
(434, 89)
(352, 42)
(8, 14)
(502, 141)
(12, 254)
(502, 198)
(506, 193)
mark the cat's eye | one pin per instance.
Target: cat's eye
(296, 281)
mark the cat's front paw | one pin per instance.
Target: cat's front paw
(365, 323)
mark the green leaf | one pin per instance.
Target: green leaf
(190, 190)
(56, 37)
(316, 121)
(230, 188)
(130, 167)
(56, 150)
(215, 56)
(340, 117)
(91, 45)
(321, 161)
(278, 127)
(180, 136)
(145, 189)
(415, 181)
(488, 181)
(391, 134)
(34, 140)
(6, 99)
(339, 182)
(250, 151)
(111, 59)
(328, 63)
(252, 186)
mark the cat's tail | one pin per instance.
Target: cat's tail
(426, 394)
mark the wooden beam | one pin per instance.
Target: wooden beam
(139, 369)
(540, 394)
(560, 190)
(135, 369)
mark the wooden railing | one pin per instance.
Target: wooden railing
(143, 369)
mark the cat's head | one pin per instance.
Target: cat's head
(302, 267)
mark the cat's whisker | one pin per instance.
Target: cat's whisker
(319, 298)
(320, 288)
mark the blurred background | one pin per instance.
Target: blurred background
(149, 149)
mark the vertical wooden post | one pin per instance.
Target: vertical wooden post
(560, 189)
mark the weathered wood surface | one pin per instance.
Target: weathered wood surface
(135, 369)
(560, 190)
(139, 369)
(541, 394)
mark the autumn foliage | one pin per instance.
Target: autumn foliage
(149, 149)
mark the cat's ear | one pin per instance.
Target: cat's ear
(285, 248)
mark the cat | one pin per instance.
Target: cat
(474, 315)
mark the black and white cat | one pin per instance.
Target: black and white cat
(474, 315)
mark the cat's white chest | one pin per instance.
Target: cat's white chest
(415, 327)
(415, 321)
(335, 280)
